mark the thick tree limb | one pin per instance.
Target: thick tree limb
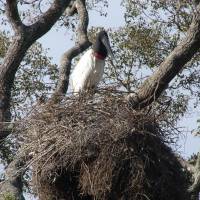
(152, 88)
(28, 35)
(71, 10)
(195, 187)
(12, 185)
(82, 44)
(22, 41)
(13, 15)
(24, 37)
(186, 165)
(8, 69)
(48, 19)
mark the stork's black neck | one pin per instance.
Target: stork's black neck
(99, 47)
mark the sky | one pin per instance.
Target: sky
(58, 41)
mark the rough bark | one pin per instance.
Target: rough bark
(194, 170)
(11, 187)
(24, 37)
(152, 88)
(185, 164)
(8, 69)
(82, 44)
(195, 187)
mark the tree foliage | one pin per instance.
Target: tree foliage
(36, 77)
(152, 30)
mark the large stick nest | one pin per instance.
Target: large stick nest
(99, 148)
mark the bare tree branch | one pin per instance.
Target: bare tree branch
(185, 164)
(152, 88)
(71, 10)
(13, 182)
(48, 19)
(82, 44)
(12, 185)
(30, 34)
(24, 37)
(195, 187)
(13, 15)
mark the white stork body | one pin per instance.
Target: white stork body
(87, 73)
(89, 70)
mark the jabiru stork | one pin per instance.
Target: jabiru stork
(90, 68)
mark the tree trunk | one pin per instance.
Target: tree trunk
(11, 187)
(82, 44)
(24, 37)
(14, 56)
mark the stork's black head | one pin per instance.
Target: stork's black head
(102, 45)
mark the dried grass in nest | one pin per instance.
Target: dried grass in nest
(98, 148)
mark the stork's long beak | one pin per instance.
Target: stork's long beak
(106, 42)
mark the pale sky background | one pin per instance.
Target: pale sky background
(59, 41)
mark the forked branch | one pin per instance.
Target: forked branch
(24, 37)
(82, 44)
(48, 19)
(13, 15)
(195, 187)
